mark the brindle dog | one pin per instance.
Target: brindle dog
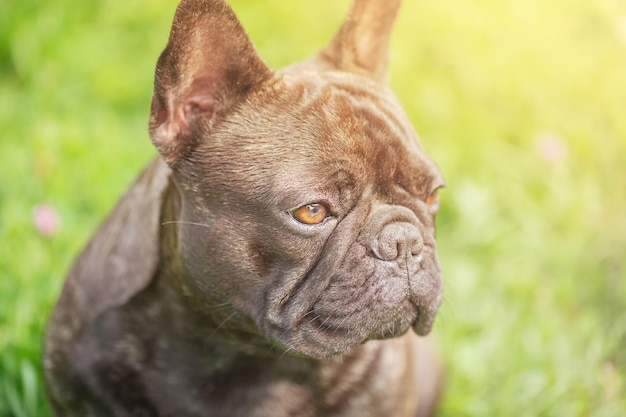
(274, 258)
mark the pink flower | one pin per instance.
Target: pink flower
(46, 220)
(551, 148)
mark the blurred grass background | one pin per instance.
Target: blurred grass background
(521, 102)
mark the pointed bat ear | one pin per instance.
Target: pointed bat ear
(208, 66)
(361, 45)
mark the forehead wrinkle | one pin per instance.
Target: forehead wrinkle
(378, 145)
(369, 140)
(323, 125)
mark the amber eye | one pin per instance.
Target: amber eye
(310, 213)
(433, 200)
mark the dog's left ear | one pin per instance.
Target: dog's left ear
(361, 45)
(208, 66)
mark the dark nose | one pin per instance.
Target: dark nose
(395, 240)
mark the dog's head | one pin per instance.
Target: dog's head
(307, 202)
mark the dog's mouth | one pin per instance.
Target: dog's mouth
(392, 326)
(324, 335)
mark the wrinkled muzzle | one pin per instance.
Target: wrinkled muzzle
(371, 282)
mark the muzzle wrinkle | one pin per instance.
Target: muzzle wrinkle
(302, 292)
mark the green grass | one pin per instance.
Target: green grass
(533, 248)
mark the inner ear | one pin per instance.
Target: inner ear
(199, 107)
(201, 103)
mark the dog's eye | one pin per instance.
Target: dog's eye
(310, 213)
(433, 200)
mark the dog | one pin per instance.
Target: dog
(277, 258)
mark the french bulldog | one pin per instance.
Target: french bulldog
(277, 258)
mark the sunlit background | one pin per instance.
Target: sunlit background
(521, 102)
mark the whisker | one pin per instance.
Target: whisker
(223, 323)
(310, 311)
(285, 352)
(216, 306)
(324, 322)
(184, 222)
(340, 325)
(313, 319)
(269, 350)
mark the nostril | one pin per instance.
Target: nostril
(417, 245)
(396, 240)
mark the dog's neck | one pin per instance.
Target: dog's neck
(210, 325)
(216, 329)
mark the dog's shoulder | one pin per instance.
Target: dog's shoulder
(103, 359)
(119, 262)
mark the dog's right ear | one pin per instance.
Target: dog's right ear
(208, 66)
